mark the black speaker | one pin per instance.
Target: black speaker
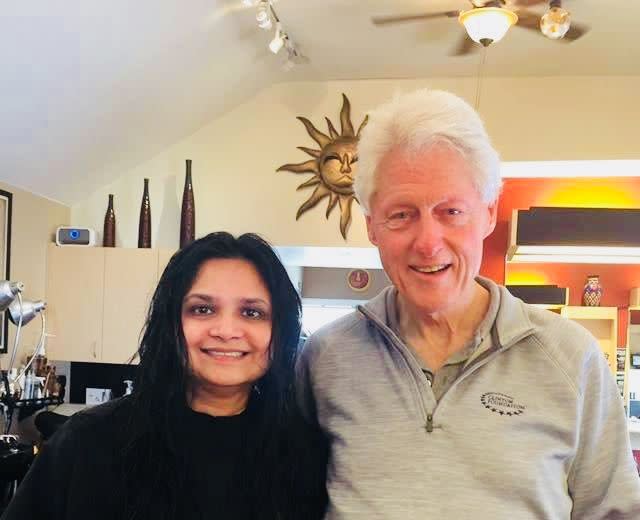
(75, 236)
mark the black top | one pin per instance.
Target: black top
(80, 473)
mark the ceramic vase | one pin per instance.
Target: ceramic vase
(592, 292)
(144, 226)
(109, 230)
(188, 213)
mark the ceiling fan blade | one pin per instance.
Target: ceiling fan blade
(524, 3)
(575, 31)
(465, 46)
(386, 20)
(528, 20)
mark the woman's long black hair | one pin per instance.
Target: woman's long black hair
(152, 456)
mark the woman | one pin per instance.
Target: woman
(211, 429)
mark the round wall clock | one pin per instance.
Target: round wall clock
(358, 280)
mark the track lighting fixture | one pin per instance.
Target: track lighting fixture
(263, 16)
(266, 18)
(278, 40)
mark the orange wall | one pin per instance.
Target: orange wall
(613, 192)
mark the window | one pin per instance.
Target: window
(315, 315)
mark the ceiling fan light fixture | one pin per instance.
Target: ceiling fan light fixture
(555, 23)
(486, 25)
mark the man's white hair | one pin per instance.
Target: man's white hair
(418, 120)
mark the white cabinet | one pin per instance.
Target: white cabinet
(75, 290)
(130, 277)
(164, 255)
(97, 300)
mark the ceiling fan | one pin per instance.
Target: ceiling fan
(488, 21)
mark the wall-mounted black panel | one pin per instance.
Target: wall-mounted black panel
(579, 227)
(98, 375)
(540, 294)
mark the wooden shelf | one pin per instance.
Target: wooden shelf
(589, 313)
(634, 426)
(549, 306)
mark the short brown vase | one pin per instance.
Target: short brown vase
(592, 292)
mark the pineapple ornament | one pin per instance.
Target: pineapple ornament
(592, 292)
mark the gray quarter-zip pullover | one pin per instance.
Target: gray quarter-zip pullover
(532, 428)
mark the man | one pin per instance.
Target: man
(445, 395)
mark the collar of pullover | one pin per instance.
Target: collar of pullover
(511, 324)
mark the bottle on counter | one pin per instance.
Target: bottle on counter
(11, 378)
(129, 389)
(52, 385)
(28, 385)
(38, 387)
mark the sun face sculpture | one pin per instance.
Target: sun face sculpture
(333, 166)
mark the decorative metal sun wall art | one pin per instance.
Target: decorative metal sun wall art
(333, 166)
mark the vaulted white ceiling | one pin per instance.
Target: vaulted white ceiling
(90, 88)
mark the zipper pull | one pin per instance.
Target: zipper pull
(429, 425)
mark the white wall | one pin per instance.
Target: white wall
(236, 155)
(34, 220)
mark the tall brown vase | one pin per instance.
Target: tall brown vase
(109, 230)
(188, 213)
(144, 227)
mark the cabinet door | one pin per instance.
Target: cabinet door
(130, 277)
(74, 302)
(164, 255)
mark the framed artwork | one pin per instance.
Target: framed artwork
(6, 201)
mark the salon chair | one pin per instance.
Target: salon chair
(48, 423)
(15, 460)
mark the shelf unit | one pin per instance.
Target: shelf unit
(633, 333)
(633, 347)
(602, 322)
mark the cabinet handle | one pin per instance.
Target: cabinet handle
(95, 355)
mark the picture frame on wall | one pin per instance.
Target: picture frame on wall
(6, 207)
